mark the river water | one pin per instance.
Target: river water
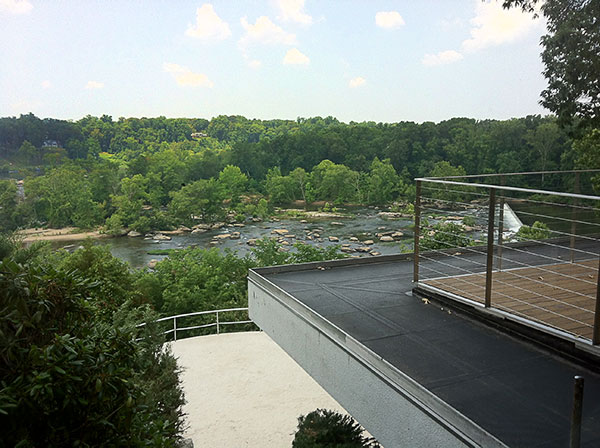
(364, 225)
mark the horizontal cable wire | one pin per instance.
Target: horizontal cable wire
(512, 272)
(509, 297)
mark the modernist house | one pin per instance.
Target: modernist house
(474, 339)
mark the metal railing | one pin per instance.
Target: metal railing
(470, 243)
(217, 323)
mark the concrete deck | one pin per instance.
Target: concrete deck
(242, 390)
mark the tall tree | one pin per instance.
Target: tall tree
(571, 56)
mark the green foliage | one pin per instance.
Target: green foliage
(537, 231)
(383, 183)
(8, 205)
(323, 428)
(72, 376)
(469, 221)
(196, 279)
(444, 235)
(63, 197)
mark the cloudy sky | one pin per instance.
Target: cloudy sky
(357, 60)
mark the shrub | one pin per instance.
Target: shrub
(444, 235)
(538, 231)
(73, 376)
(329, 429)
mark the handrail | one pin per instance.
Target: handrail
(216, 324)
(513, 283)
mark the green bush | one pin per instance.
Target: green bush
(328, 429)
(71, 375)
(444, 235)
(538, 231)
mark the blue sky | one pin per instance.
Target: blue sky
(367, 60)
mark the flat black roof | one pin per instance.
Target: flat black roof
(515, 390)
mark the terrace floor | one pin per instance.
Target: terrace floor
(513, 389)
(562, 296)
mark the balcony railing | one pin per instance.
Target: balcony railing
(524, 244)
(203, 322)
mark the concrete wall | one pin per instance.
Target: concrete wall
(396, 416)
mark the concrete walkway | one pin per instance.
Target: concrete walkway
(244, 391)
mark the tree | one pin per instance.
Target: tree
(199, 199)
(571, 55)
(63, 197)
(383, 182)
(333, 182)
(29, 153)
(545, 141)
(232, 183)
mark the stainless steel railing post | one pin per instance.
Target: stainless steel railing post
(490, 249)
(417, 232)
(575, 441)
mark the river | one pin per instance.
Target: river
(364, 225)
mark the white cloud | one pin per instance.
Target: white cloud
(185, 77)
(293, 10)
(493, 25)
(94, 85)
(443, 57)
(295, 57)
(389, 19)
(15, 6)
(357, 82)
(46, 84)
(208, 25)
(254, 63)
(265, 32)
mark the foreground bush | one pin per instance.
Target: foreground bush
(71, 375)
(328, 429)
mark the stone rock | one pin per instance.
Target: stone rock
(303, 221)
(152, 263)
(289, 235)
(195, 231)
(280, 231)
(239, 224)
(363, 249)
(235, 235)
(161, 237)
(381, 228)
(397, 235)
(375, 253)
(256, 220)
(386, 239)
(309, 237)
(353, 239)
(217, 225)
(185, 229)
(316, 235)
(347, 249)
(202, 226)
(133, 233)
(334, 239)
(222, 236)
(213, 243)
(337, 223)
(368, 242)
(252, 242)
(285, 243)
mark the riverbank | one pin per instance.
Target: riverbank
(64, 234)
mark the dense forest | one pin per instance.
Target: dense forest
(158, 173)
